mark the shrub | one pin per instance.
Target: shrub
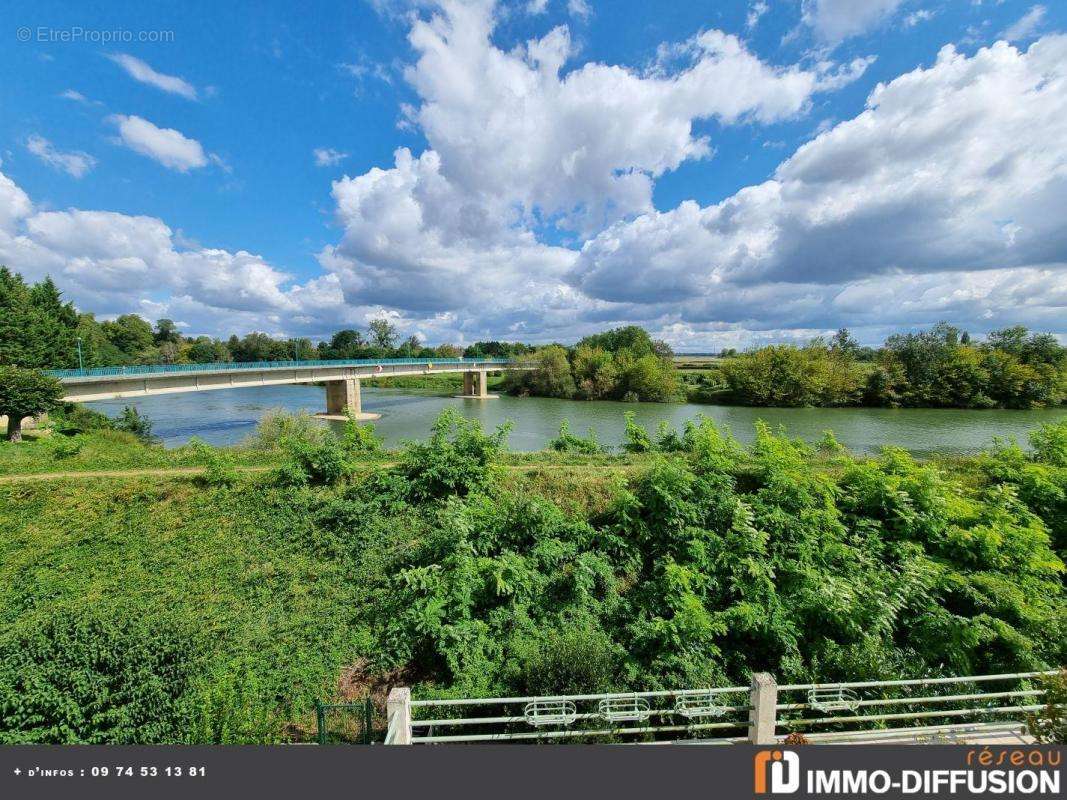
(277, 426)
(637, 438)
(321, 463)
(567, 442)
(72, 418)
(359, 439)
(454, 460)
(132, 421)
(63, 448)
(1049, 726)
(574, 660)
(87, 677)
(220, 468)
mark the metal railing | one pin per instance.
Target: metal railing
(223, 366)
(818, 712)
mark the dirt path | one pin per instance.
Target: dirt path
(167, 472)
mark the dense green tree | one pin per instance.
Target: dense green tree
(205, 350)
(131, 334)
(25, 393)
(383, 333)
(37, 329)
(166, 331)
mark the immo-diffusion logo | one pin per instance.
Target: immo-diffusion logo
(783, 766)
(1015, 771)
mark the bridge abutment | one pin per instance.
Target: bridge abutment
(475, 386)
(344, 397)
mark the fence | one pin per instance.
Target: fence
(225, 366)
(759, 713)
(345, 723)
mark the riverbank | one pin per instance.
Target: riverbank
(225, 592)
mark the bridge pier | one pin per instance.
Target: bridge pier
(345, 397)
(474, 386)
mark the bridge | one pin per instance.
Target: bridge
(341, 378)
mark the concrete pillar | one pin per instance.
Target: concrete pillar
(398, 716)
(475, 385)
(763, 697)
(344, 397)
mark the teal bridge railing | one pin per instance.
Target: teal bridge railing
(224, 366)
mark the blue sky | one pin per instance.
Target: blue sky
(717, 171)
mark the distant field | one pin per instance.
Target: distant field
(695, 360)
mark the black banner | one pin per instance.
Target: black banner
(534, 772)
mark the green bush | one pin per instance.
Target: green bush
(132, 421)
(322, 463)
(454, 460)
(567, 442)
(277, 426)
(357, 440)
(637, 438)
(63, 448)
(91, 677)
(572, 660)
(1049, 726)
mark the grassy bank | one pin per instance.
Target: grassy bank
(458, 568)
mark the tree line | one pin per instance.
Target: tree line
(942, 367)
(38, 330)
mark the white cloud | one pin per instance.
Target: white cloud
(77, 97)
(1026, 26)
(75, 163)
(328, 157)
(953, 169)
(140, 71)
(579, 8)
(755, 12)
(536, 6)
(834, 20)
(166, 145)
(921, 15)
(585, 148)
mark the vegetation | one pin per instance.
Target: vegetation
(938, 368)
(222, 605)
(620, 364)
(24, 393)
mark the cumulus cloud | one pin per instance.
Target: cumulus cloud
(142, 72)
(834, 20)
(166, 145)
(958, 167)
(583, 148)
(75, 163)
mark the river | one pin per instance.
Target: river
(228, 416)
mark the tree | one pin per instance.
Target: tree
(383, 333)
(345, 343)
(166, 331)
(131, 334)
(24, 393)
(37, 329)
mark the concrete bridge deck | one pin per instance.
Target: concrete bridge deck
(342, 378)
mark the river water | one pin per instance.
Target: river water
(228, 416)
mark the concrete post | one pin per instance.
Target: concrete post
(763, 697)
(344, 397)
(476, 385)
(482, 384)
(468, 383)
(398, 714)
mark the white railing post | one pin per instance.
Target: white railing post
(763, 697)
(398, 713)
